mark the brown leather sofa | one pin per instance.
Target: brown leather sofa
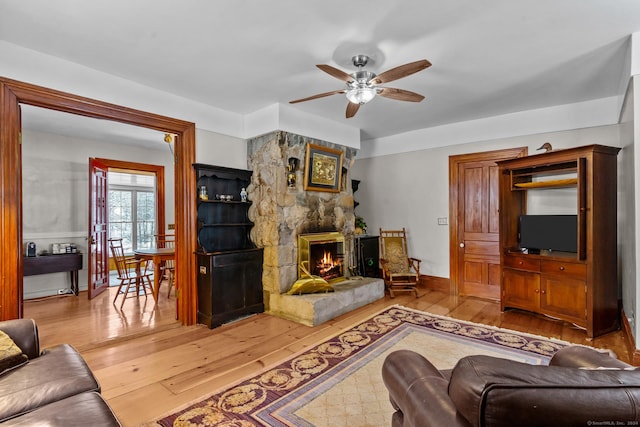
(580, 387)
(55, 387)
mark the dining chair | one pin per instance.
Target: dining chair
(132, 273)
(168, 269)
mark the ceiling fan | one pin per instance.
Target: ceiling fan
(362, 85)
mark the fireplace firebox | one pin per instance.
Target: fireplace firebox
(322, 254)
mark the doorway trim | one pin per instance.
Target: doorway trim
(157, 171)
(12, 94)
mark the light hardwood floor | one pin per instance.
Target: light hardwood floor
(148, 364)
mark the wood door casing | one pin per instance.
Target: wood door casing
(474, 237)
(133, 167)
(12, 94)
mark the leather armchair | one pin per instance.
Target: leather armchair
(580, 387)
(24, 333)
(54, 388)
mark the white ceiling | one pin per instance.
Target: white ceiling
(490, 57)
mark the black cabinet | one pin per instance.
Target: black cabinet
(229, 285)
(367, 255)
(229, 264)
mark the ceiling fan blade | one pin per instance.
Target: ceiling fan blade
(400, 94)
(338, 74)
(401, 71)
(320, 95)
(352, 109)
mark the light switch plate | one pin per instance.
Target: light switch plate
(442, 221)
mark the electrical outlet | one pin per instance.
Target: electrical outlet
(62, 291)
(442, 221)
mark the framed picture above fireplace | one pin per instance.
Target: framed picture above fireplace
(323, 166)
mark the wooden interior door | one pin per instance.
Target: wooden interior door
(474, 232)
(98, 223)
(478, 221)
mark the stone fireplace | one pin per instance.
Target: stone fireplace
(323, 255)
(283, 212)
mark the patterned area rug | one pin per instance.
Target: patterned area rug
(338, 382)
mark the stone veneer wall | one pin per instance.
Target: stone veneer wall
(280, 214)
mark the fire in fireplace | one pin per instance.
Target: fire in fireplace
(322, 254)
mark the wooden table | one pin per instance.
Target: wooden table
(55, 264)
(157, 256)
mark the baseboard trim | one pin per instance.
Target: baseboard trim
(634, 353)
(435, 283)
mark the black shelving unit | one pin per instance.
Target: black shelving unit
(229, 264)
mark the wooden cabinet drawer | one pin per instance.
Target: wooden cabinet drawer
(522, 263)
(569, 269)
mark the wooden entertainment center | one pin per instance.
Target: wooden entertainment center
(580, 287)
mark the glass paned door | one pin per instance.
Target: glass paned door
(132, 209)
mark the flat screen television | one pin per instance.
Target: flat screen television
(549, 232)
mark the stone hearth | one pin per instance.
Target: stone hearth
(281, 213)
(314, 309)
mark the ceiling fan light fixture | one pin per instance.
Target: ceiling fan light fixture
(361, 95)
(362, 85)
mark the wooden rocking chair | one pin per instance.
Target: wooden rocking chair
(400, 272)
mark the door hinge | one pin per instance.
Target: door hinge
(20, 138)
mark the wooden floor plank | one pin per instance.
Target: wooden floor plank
(148, 364)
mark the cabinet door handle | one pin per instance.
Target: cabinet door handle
(562, 268)
(543, 292)
(537, 290)
(462, 244)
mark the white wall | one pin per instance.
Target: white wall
(412, 189)
(55, 189)
(629, 201)
(220, 150)
(580, 115)
(627, 208)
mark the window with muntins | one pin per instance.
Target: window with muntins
(132, 209)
